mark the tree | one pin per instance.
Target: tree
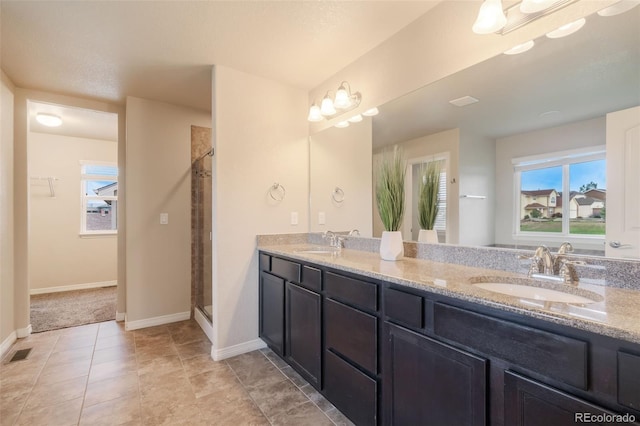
(535, 214)
(588, 186)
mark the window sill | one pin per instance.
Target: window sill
(98, 234)
(548, 236)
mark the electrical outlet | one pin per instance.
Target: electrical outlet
(164, 218)
(294, 218)
(322, 218)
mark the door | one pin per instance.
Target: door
(623, 184)
(272, 312)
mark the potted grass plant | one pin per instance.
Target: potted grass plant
(428, 201)
(390, 201)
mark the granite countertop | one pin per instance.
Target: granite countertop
(616, 313)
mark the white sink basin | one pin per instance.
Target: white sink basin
(535, 293)
(319, 250)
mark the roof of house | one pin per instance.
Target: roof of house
(105, 188)
(598, 194)
(534, 206)
(586, 201)
(539, 192)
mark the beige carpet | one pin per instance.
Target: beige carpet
(52, 311)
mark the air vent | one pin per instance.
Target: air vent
(20, 355)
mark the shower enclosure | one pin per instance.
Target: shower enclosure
(201, 181)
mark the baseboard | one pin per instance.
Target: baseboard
(204, 323)
(120, 316)
(242, 348)
(24, 332)
(73, 287)
(151, 322)
(6, 344)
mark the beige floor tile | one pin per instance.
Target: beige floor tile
(232, 406)
(302, 415)
(199, 347)
(116, 353)
(53, 373)
(69, 355)
(186, 333)
(254, 370)
(120, 411)
(151, 331)
(165, 364)
(156, 351)
(162, 378)
(277, 398)
(11, 404)
(181, 413)
(213, 381)
(66, 343)
(338, 418)
(275, 359)
(44, 395)
(61, 414)
(115, 368)
(200, 364)
(115, 340)
(81, 330)
(317, 398)
(113, 388)
(112, 328)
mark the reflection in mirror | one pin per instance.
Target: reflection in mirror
(554, 104)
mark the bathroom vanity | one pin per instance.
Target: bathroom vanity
(414, 342)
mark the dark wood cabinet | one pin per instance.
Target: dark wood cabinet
(271, 307)
(529, 403)
(303, 332)
(430, 383)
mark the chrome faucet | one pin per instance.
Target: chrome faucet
(546, 266)
(335, 240)
(546, 260)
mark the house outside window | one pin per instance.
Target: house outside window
(99, 194)
(561, 193)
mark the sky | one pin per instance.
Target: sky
(579, 174)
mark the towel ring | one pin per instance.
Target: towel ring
(337, 195)
(277, 192)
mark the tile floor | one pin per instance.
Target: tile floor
(99, 374)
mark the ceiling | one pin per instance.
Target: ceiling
(76, 122)
(582, 76)
(163, 50)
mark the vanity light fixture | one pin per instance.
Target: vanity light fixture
(567, 29)
(355, 119)
(618, 8)
(329, 108)
(342, 124)
(493, 19)
(371, 112)
(49, 120)
(521, 48)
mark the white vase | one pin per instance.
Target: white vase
(391, 246)
(428, 236)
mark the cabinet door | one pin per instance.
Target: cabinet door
(303, 332)
(529, 403)
(430, 383)
(272, 312)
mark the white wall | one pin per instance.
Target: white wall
(7, 323)
(562, 138)
(158, 163)
(437, 143)
(477, 177)
(342, 158)
(58, 256)
(260, 137)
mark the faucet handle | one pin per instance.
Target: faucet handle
(568, 271)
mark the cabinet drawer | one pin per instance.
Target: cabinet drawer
(352, 333)
(629, 380)
(404, 308)
(353, 392)
(285, 269)
(358, 293)
(557, 357)
(311, 278)
(264, 262)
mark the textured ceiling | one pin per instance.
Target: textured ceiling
(163, 50)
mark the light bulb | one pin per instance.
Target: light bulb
(326, 107)
(534, 6)
(356, 118)
(371, 112)
(567, 29)
(521, 48)
(342, 124)
(343, 99)
(314, 113)
(490, 17)
(49, 120)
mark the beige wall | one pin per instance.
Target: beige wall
(342, 158)
(435, 45)
(7, 323)
(439, 143)
(562, 138)
(58, 256)
(260, 137)
(158, 163)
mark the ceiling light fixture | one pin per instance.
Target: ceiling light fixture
(493, 19)
(521, 48)
(371, 112)
(342, 124)
(618, 8)
(49, 120)
(329, 108)
(355, 119)
(567, 29)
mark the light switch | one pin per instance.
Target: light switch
(294, 218)
(164, 218)
(322, 219)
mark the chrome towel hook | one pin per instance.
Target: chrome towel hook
(277, 192)
(338, 195)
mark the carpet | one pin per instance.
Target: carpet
(64, 309)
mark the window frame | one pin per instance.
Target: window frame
(84, 198)
(542, 161)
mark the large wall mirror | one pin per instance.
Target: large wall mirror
(532, 162)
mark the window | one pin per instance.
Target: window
(99, 193)
(562, 193)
